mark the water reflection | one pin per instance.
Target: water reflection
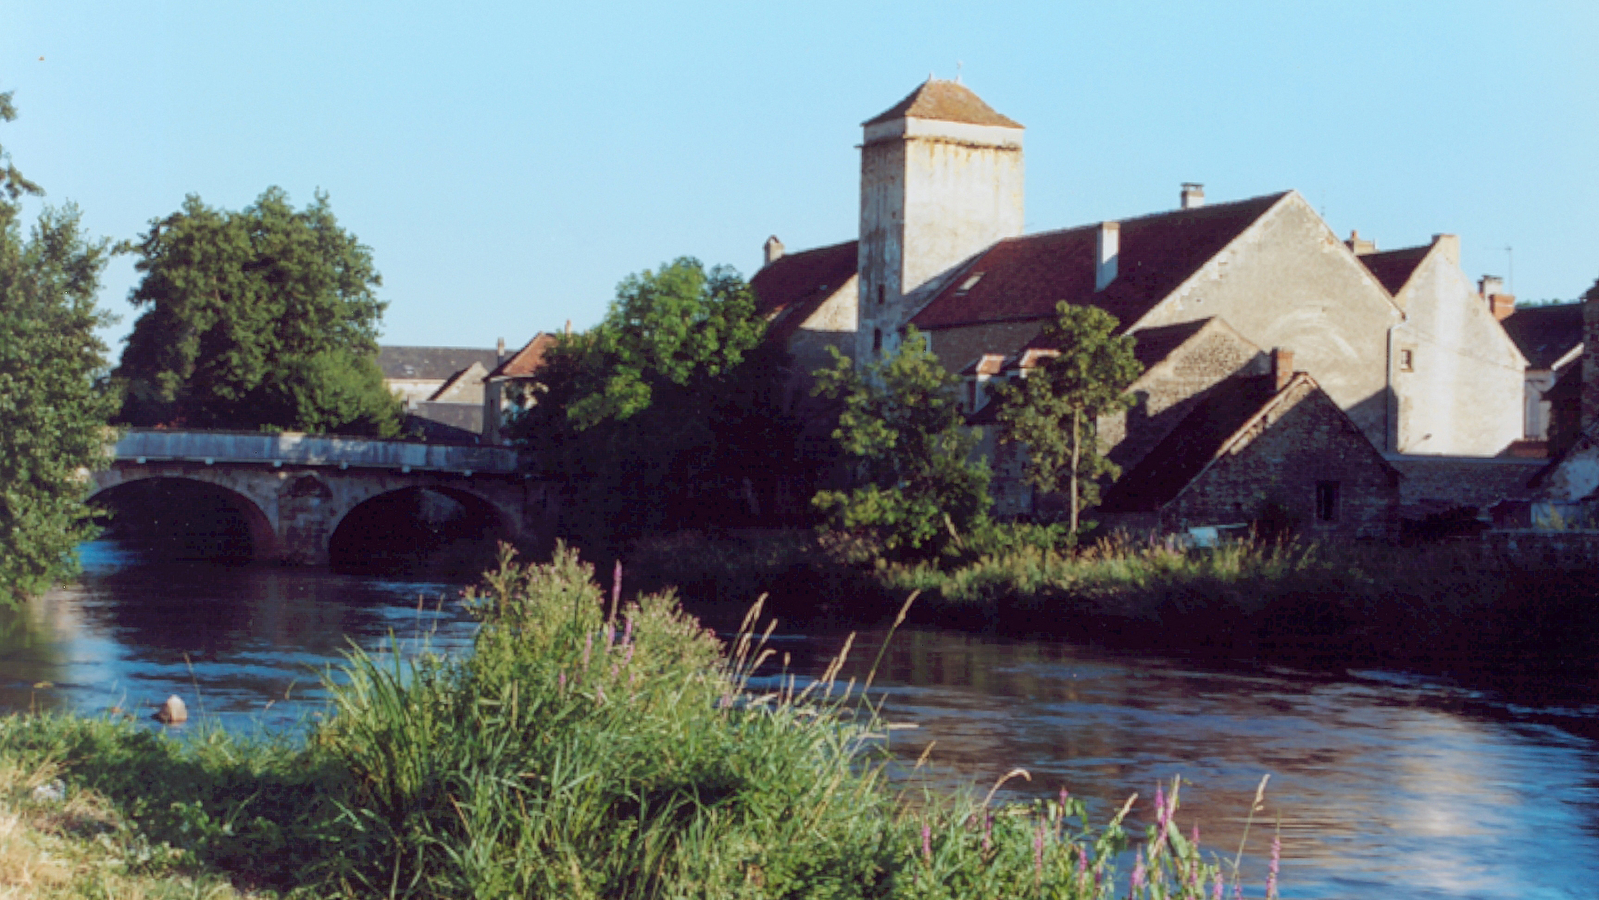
(244, 645)
(1381, 784)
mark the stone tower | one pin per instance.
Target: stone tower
(941, 179)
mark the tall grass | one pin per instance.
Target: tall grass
(584, 753)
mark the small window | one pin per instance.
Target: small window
(877, 340)
(1326, 501)
(969, 283)
(880, 295)
(1407, 361)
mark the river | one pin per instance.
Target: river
(1382, 784)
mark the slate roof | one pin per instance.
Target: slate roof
(1163, 473)
(1024, 277)
(431, 363)
(525, 361)
(1545, 333)
(1394, 267)
(946, 101)
(794, 286)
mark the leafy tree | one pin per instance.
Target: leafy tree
(52, 412)
(1053, 410)
(659, 415)
(264, 318)
(917, 485)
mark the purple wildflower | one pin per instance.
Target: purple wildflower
(1038, 848)
(1082, 860)
(1276, 859)
(599, 695)
(1138, 875)
(988, 831)
(1196, 836)
(560, 681)
(927, 842)
(627, 631)
(627, 658)
(1220, 886)
(613, 670)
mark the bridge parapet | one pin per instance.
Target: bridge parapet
(295, 448)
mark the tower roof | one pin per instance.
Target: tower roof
(946, 101)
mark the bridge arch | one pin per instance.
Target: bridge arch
(406, 525)
(140, 486)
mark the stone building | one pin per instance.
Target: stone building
(1568, 489)
(1550, 337)
(1398, 341)
(442, 388)
(1257, 443)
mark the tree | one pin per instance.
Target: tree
(53, 412)
(264, 318)
(917, 485)
(655, 417)
(1053, 410)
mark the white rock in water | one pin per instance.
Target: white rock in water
(173, 711)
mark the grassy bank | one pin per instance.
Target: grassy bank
(1438, 608)
(584, 749)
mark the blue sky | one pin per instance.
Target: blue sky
(509, 163)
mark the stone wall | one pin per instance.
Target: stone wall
(1171, 388)
(1302, 446)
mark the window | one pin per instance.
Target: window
(880, 293)
(877, 340)
(1407, 361)
(1326, 501)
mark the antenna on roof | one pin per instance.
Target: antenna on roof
(958, 65)
(1510, 263)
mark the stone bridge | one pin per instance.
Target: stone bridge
(294, 489)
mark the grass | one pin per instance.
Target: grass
(585, 749)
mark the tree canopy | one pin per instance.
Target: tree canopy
(262, 318)
(53, 412)
(917, 484)
(1052, 412)
(666, 413)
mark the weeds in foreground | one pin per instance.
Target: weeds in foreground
(585, 749)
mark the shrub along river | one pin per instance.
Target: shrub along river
(1382, 784)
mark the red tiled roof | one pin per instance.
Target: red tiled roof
(791, 288)
(1545, 333)
(1394, 267)
(1024, 277)
(946, 101)
(525, 361)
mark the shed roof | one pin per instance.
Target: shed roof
(431, 363)
(525, 361)
(1544, 334)
(792, 287)
(946, 101)
(1023, 278)
(1394, 267)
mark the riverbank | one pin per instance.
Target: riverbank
(583, 749)
(1461, 609)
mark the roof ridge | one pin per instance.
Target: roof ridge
(1147, 216)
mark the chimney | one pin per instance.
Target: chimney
(1490, 285)
(774, 250)
(1193, 195)
(1499, 303)
(1109, 250)
(499, 351)
(1282, 367)
(1590, 359)
(568, 327)
(1449, 246)
(1359, 245)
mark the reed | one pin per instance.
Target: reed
(584, 753)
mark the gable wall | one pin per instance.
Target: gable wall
(831, 325)
(1170, 389)
(1289, 282)
(1299, 444)
(1465, 392)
